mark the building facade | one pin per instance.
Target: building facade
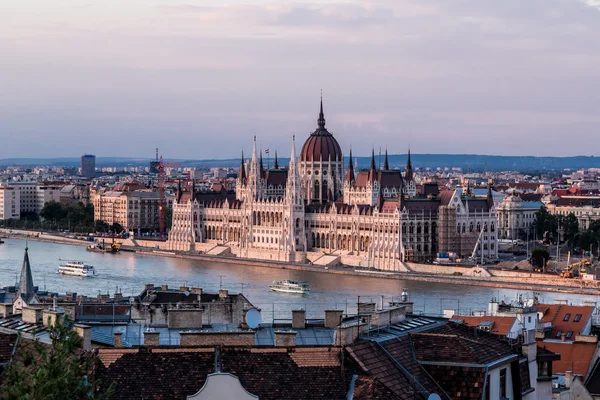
(317, 206)
(138, 209)
(517, 217)
(88, 165)
(30, 197)
(585, 208)
(9, 203)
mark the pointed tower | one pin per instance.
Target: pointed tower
(242, 169)
(409, 170)
(275, 163)
(321, 120)
(26, 293)
(373, 169)
(490, 197)
(253, 180)
(386, 165)
(350, 179)
(295, 237)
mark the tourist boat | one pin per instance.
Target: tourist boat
(76, 268)
(289, 286)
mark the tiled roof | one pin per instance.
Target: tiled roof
(460, 382)
(557, 313)
(269, 373)
(499, 325)
(373, 359)
(7, 345)
(574, 356)
(401, 351)
(458, 344)
(370, 388)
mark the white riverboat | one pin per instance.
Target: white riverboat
(76, 268)
(290, 286)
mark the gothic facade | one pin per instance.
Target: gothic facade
(318, 205)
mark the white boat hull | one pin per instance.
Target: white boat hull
(289, 290)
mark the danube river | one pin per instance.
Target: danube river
(129, 272)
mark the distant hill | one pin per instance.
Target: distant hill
(474, 162)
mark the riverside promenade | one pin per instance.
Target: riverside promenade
(455, 275)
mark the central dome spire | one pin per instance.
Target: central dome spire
(321, 120)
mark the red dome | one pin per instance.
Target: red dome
(321, 145)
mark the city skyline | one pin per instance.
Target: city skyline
(197, 81)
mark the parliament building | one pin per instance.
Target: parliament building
(320, 206)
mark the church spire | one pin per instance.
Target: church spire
(409, 171)
(321, 120)
(26, 290)
(386, 165)
(262, 168)
(275, 163)
(350, 173)
(373, 169)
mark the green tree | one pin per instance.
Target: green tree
(116, 227)
(53, 211)
(545, 223)
(570, 227)
(539, 257)
(57, 371)
(101, 226)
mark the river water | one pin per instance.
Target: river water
(130, 272)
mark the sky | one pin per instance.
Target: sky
(199, 79)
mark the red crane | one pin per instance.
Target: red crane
(161, 190)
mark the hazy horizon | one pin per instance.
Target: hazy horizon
(199, 79)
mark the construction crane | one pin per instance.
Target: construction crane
(161, 190)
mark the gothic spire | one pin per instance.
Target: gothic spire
(373, 169)
(275, 163)
(26, 290)
(490, 198)
(321, 120)
(386, 165)
(350, 173)
(262, 168)
(409, 171)
(242, 169)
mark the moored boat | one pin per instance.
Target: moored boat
(290, 286)
(76, 268)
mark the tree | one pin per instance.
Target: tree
(101, 226)
(57, 371)
(53, 210)
(570, 226)
(116, 227)
(545, 222)
(539, 257)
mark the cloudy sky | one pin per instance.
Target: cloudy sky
(198, 79)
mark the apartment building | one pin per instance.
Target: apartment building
(32, 196)
(9, 203)
(137, 209)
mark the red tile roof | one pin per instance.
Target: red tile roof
(574, 356)
(556, 314)
(501, 325)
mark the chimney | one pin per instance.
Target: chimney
(151, 338)
(31, 315)
(149, 286)
(196, 290)
(223, 293)
(184, 289)
(118, 336)
(285, 338)
(165, 287)
(563, 337)
(568, 378)
(298, 319)
(85, 332)
(333, 318)
(49, 317)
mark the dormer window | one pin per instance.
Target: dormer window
(558, 334)
(569, 335)
(566, 318)
(577, 318)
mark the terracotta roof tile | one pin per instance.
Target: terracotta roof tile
(500, 325)
(557, 313)
(574, 356)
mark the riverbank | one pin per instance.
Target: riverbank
(418, 272)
